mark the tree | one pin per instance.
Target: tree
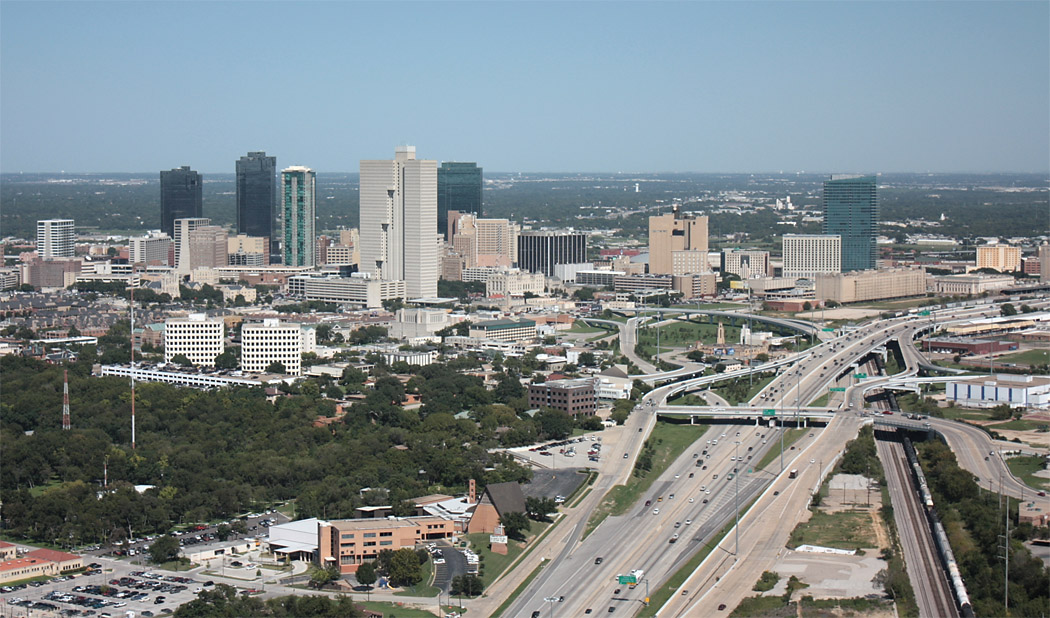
(514, 523)
(467, 585)
(806, 306)
(584, 294)
(275, 367)
(537, 508)
(762, 357)
(324, 333)
(554, 424)
(181, 360)
(587, 359)
(366, 576)
(321, 577)
(226, 360)
(405, 569)
(223, 532)
(164, 549)
(75, 332)
(1008, 309)
(239, 527)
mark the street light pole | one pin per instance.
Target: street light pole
(736, 499)
(551, 600)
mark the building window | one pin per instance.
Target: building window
(370, 535)
(386, 542)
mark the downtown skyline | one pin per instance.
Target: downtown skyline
(676, 87)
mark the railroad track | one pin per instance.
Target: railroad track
(932, 591)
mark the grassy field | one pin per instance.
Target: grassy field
(844, 530)
(494, 563)
(1028, 357)
(790, 438)
(685, 333)
(732, 394)
(821, 401)
(1019, 425)
(671, 440)
(712, 306)
(38, 490)
(579, 326)
(1025, 468)
(688, 399)
(393, 610)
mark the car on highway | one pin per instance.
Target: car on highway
(656, 511)
(677, 524)
(674, 538)
(688, 521)
(721, 607)
(598, 560)
(625, 455)
(690, 500)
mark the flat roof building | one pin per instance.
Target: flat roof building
(573, 397)
(504, 330)
(197, 337)
(348, 543)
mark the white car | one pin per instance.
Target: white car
(656, 511)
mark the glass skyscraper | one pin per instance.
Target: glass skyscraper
(298, 185)
(851, 211)
(459, 189)
(180, 197)
(257, 197)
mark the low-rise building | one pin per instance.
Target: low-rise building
(504, 330)
(969, 285)
(867, 285)
(639, 283)
(362, 291)
(1016, 391)
(514, 283)
(964, 345)
(573, 397)
(697, 285)
(347, 543)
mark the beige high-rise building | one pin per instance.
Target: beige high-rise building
(183, 252)
(208, 247)
(809, 255)
(399, 221)
(485, 242)
(1044, 262)
(244, 250)
(677, 244)
(1002, 258)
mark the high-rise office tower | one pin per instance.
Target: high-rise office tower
(459, 188)
(257, 197)
(180, 197)
(55, 238)
(398, 229)
(540, 252)
(183, 228)
(678, 244)
(808, 255)
(299, 213)
(851, 210)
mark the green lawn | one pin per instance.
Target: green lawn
(844, 530)
(38, 490)
(821, 401)
(773, 455)
(1020, 425)
(764, 607)
(494, 564)
(712, 306)
(579, 326)
(688, 399)
(392, 610)
(671, 440)
(681, 333)
(1028, 357)
(733, 393)
(1025, 468)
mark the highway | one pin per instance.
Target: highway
(575, 580)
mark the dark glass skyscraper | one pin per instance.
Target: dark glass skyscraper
(851, 210)
(180, 197)
(459, 189)
(257, 198)
(540, 252)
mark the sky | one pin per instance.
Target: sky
(528, 86)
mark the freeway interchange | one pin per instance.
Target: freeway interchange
(709, 484)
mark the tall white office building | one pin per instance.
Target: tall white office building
(809, 255)
(399, 221)
(55, 238)
(197, 337)
(269, 341)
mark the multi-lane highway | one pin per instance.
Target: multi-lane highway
(581, 575)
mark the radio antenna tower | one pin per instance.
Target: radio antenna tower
(65, 400)
(131, 284)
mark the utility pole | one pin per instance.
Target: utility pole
(1006, 559)
(131, 304)
(736, 501)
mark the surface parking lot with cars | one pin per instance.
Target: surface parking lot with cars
(104, 594)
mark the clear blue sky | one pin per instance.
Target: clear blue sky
(528, 86)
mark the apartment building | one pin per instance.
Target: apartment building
(809, 255)
(1004, 258)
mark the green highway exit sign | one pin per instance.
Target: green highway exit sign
(828, 330)
(924, 313)
(769, 412)
(860, 376)
(837, 389)
(626, 579)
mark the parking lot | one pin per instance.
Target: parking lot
(113, 590)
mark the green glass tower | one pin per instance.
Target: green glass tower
(851, 210)
(298, 207)
(459, 189)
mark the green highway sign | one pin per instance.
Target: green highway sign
(769, 412)
(829, 330)
(837, 389)
(860, 376)
(626, 579)
(924, 313)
